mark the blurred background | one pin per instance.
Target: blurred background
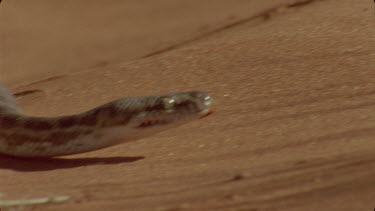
(42, 39)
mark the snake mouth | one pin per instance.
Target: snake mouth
(160, 122)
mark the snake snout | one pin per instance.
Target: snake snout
(204, 102)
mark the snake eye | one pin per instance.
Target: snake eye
(207, 100)
(169, 104)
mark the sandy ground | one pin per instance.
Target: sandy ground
(294, 88)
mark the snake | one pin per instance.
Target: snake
(113, 123)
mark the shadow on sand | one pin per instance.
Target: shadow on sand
(46, 164)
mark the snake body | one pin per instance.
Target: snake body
(113, 123)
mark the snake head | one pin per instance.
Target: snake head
(174, 109)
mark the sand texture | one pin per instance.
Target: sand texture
(294, 89)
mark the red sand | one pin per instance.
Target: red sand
(294, 89)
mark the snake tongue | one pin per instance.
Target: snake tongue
(208, 113)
